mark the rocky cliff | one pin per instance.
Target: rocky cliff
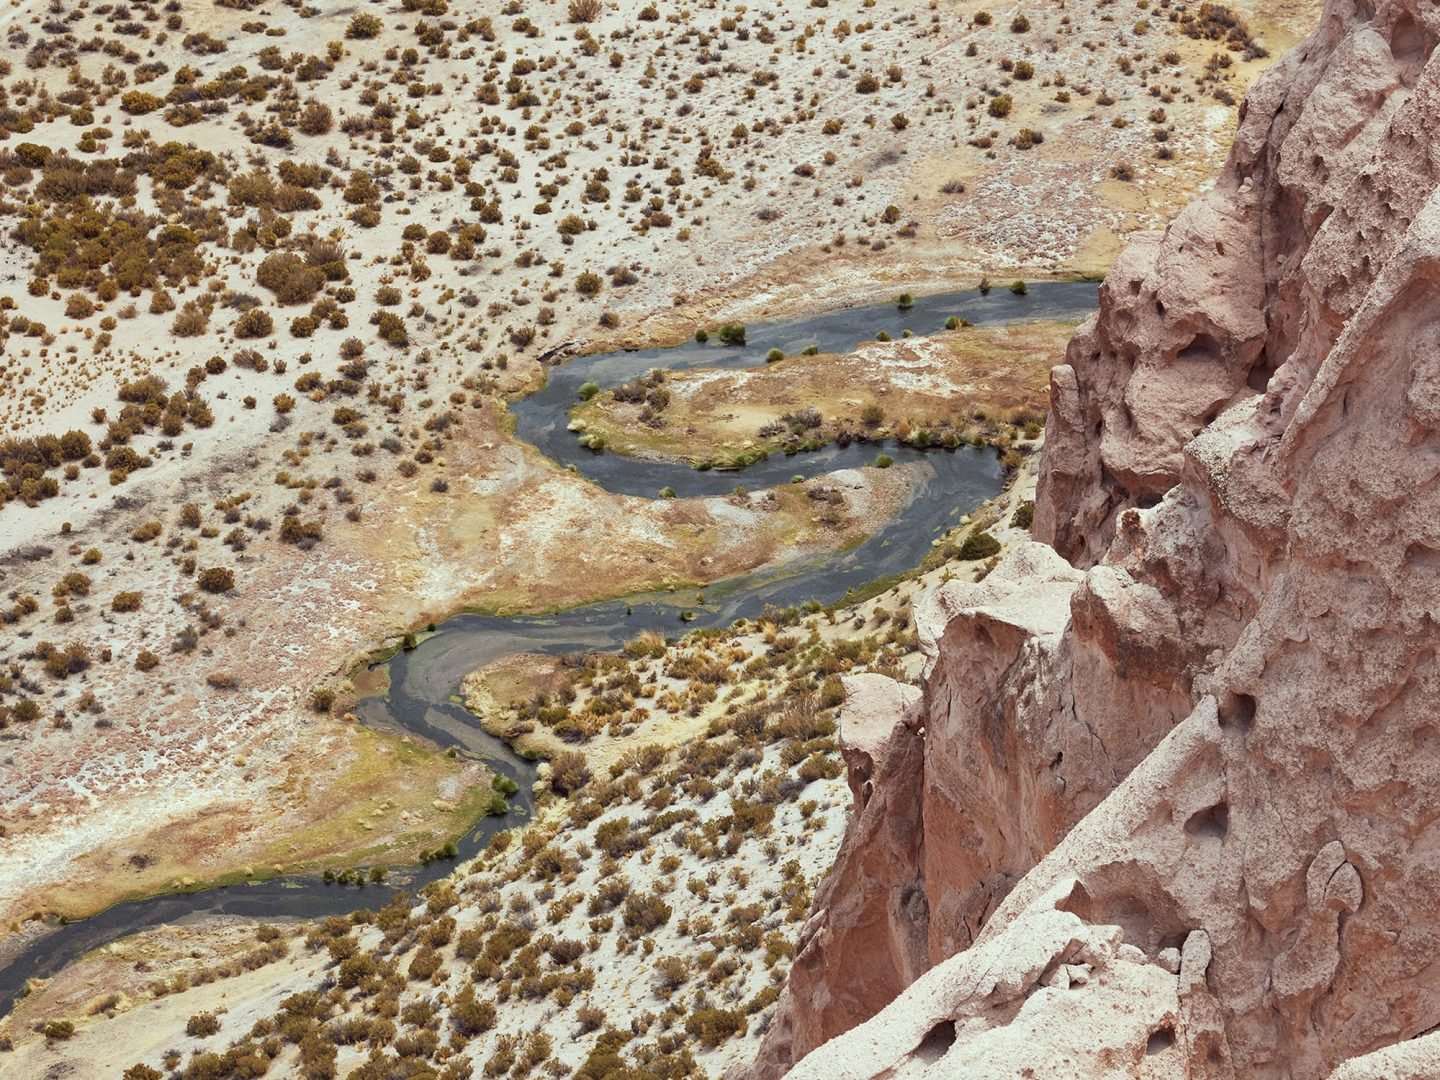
(1168, 804)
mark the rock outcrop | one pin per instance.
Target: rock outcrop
(1167, 805)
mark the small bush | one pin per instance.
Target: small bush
(202, 1024)
(363, 26)
(979, 545)
(255, 323)
(569, 772)
(216, 579)
(732, 334)
(189, 323)
(713, 1026)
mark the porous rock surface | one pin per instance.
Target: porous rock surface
(1168, 804)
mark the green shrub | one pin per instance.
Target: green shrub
(905, 302)
(732, 334)
(1024, 516)
(774, 356)
(979, 545)
(884, 461)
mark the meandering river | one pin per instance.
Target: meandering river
(424, 682)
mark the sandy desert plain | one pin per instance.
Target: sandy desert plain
(272, 276)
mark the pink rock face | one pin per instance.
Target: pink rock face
(1166, 807)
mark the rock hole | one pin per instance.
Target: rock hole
(1145, 502)
(936, 1043)
(1219, 248)
(1408, 41)
(1237, 711)
(1161, 1039)
(1210, 823)
(1258, 379)
(1202, 347)
(1159, 309)
(1422, 558)
(1135, 287)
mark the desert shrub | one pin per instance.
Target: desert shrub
(316, 118)
(713, 1026)
(138, 103)
(979, 545)
(1024, 515)
(588, 284)
(363, 26)
(79, 306)
(192, 322)
(391, 328)
(216, 579)
(292, 279)
(126, 601)
(644, 913)
(322, 700)
(255, 323)
(732, 334)
(584, 11)
(470, 1016)
(1000, 106)
(146, 660)
(202, 1024)
(425, 963)
(569, 772)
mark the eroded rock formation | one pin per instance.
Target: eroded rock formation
(1175, 795)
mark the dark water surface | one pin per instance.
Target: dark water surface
(424, 682)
